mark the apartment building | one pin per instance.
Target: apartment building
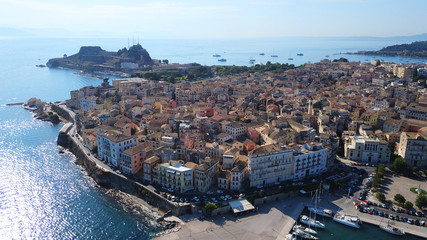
(235, 129)
(269, 165)
(309, 160)
(132, 158)
(174, 175)
(206, 174)
(413, 147)
(111, 145)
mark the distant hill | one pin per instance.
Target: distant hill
(415, 49)
(94, 58)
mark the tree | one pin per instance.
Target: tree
(209, 207)
(380, 197)
(399, 198)
(421, 201)
(408, 205)
(400, 165)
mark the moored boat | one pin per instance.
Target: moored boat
(351, 221)
(347, 220)
(304, 235)
(321, 212)
(392, 229)
(291, 236)
(305, 229)
(311, 222)
(222, 60)
(216, 55)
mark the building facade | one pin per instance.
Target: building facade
(413, 148)
(111, 145)
(148, 167)
(205, 174)
(309, 160)
(364, 149)
(269, 165)
(236, 129)
(175, 175)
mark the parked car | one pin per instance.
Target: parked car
(411, 221)
(419, 214)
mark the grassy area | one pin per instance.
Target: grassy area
(414, 190)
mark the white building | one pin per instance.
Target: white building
(417, 111)
(364, 149)
(235, 129)
(309, 160)
(237, 177)
(111, 145)
(413, 148)
(269, 165)
(87, 102)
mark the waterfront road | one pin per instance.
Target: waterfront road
(79, 142)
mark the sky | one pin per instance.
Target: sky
(213, 18)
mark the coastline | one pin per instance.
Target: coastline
(130, 202)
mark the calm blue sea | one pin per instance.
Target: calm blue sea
(43, 195)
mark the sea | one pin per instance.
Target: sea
(44, 195)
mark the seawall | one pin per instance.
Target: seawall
(112, 180)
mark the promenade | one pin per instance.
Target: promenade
(271, 221)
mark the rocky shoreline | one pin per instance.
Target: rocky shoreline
(130, 203)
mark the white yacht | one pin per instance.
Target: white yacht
(304, 235)
(393, 230)
(291, 236)
(311, 222)
(351, 221)
(304, 229)
(321, 212)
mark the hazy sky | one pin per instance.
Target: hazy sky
(216, 18)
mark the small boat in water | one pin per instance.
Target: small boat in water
(304, 235)
(251, 61)
(300, 54)
(216, 55)
(262, 54)
(351, 221)
(392, 229)
(274, 55)
(222, 60)
(291, 236)
(321, 212)
(327, 56)
(305, 229)
(311, 222)
(290, 59)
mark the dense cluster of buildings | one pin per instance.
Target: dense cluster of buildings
(255, 130)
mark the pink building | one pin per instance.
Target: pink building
(132, 158)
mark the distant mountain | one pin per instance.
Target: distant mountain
(12, 32)
(415, 49)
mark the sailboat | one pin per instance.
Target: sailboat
(317, 210)
(312, 222)
(391, 228)
(351, 221)
(304, 229)
(304, 235)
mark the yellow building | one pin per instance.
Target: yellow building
(175, 175)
